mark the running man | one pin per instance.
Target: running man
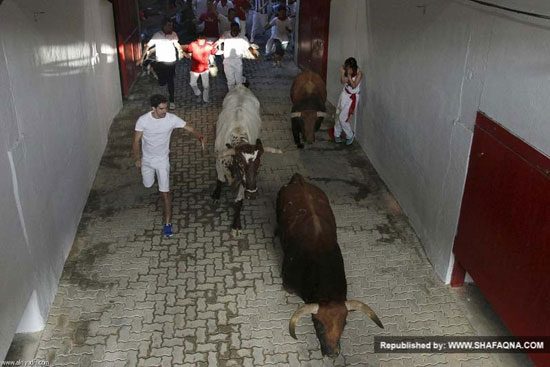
(153, 130)
(167, 48)
(201, 52)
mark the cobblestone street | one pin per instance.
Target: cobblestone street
(129, 297)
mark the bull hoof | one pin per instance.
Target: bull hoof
(236, 232)
(300, 146)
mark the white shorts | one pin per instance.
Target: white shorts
(163, 176)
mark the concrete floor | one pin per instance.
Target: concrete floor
(128, 297)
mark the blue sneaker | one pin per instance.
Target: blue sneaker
(337, 139)
(350, 140)
(167, 232)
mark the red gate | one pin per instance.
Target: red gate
(503, 238)
(128, 41)
(313, 36)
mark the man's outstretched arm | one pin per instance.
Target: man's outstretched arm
(200, 138)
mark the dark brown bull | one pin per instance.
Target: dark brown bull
(313, 266)
(308, 95)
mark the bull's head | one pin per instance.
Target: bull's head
(246, 158)
(329, 320)
(311, 122)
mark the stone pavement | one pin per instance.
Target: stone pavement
(128, 297)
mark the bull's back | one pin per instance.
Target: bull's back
(240, 116)
(304, 215)
(313, 265)
(308, 84)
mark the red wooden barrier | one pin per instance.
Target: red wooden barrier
(128, 41)
(313, 36)
(503, 238)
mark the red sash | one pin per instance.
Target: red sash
(353, 97)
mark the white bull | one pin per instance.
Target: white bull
(238, 160)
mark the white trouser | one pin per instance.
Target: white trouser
(343, 116)
(161, 170)
(193, 77)
(233, 68)
(259, 21)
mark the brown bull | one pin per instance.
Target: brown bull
(308, 95)
(313, 266)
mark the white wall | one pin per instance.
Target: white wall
(429, 66)
(59, 91)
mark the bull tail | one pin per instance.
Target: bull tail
(298, 178)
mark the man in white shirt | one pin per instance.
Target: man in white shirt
(167, 48)
(259, 17)
(154, 130)
(235, 47)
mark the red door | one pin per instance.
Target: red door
(313, 36)
(128, 42)
(503, 238)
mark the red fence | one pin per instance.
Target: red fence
(503, 238)
(128, 41)
(313, 36)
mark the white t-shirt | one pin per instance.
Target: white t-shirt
(278, 29)
(155, 141)
(234, 47)
(165, 46)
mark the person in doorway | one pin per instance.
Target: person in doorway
(153, 130)
(167, 48)
(259, 17)
(235, 47)
(201, 52)
(280, 30)
(350, 77)
(292, 5)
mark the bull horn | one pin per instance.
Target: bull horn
(273, 150)
(227, 153)
(309, 308)
(295, 114)
(360, 306)
(321, 114)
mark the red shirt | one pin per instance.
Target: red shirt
(210, 25)
(238, 4)
(200, 55)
